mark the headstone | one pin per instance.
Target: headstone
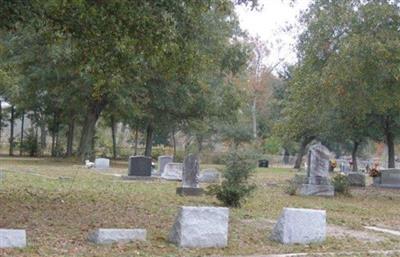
(139, 166)
(102, 163)
(201, 227)
(209, 176)
(300, 226)
(12, 238)
(263, 163)
(318, 173)
(356, 179)
(172, 171)
(190, 177)
(112, 235)
(162, 161)
(389, 178)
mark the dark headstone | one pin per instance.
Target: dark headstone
(389, 178)
(139, 166)
(263, 163)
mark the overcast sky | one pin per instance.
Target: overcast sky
(268, 24)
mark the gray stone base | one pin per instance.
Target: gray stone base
(393, 186)
(110, 235)
(139, 178)
(189, 191)
(317, 190)
(356, 179)
(12, 238)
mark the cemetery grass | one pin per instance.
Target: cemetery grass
(59, 202)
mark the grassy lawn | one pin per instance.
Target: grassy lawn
(59, 213)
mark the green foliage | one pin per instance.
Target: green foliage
(30, 144)
(341, 184)
(235, 187)
(294, 184)
(272, 145)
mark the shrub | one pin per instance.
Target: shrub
(30, 144)
(341, 184)
(235, 187)
(294, 184)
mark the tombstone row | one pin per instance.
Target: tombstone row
(203, 227)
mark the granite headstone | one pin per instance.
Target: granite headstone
(162, 162)
(190, 176)
(139, 166)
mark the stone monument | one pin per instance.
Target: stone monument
(389, 178)
(12, 238)
(139, 167)
(102, 163)
(200, 227)
(110, 235)
(162, 162)
(300, 226)
(190, 177)
(317, 182)
(172, 171)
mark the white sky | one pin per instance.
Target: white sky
(269, 23)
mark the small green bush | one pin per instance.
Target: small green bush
(235, 187)
(30, 144)
(294, 184)
(341, 184)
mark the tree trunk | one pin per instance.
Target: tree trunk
(302, 151)
(1, 120)
(57, 132)
(149, 140)
(43, 136)
(389, 138)
(86, 144)
(11, 140)
(391, 153)
(70, 137)
(354, 155)
(21, 144)
(254, 116)
(174, 144)
(114, 142)
(199, 140)
(286, 156)
(136, 140)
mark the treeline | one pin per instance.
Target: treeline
(152, 65)
(345, 88)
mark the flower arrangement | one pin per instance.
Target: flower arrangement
(375, 172)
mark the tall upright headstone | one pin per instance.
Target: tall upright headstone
(139, 166)
(162, 162)
(190, 176)
(318, 172)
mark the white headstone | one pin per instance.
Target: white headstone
(172, 171)
(162, 161)
(12, 238)
(209, 176)
(201, 227)
(300, 226)
(112, 235)
(102, 163)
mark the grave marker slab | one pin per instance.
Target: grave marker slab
(209, 176)
(102, 163)
(190, 177)
(356, 179)
(139, 166)
(300, 226)
(12, 238)
(162, 162)
(201, 227)
(173, 171)
(113, 235)
(389, 178)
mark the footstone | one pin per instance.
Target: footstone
(111, 235)
(209, 176)
(102, 163)
(172, 171)
(201, 227)
(139, 166)
(300, 226)
(12, 238)
(162, 162)
(356, 179)
(189, 191)
(317, 190)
